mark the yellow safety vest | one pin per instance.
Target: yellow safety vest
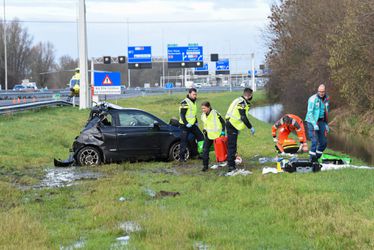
(76, 76)
(233, 113)
(191, 112)
(212, 124)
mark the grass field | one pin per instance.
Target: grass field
(326, 210)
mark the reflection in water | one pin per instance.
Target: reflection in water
(358, 146)
(355, 145)
(268, 113)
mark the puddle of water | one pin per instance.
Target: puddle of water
(65, 177)
(171, 171)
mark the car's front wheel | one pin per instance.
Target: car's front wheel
(174, 152)
(89, 156)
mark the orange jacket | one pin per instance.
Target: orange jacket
(295, 124)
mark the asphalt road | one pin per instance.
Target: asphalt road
(11, 98)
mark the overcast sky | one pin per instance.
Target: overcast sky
(151, 22)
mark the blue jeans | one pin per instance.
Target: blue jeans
(319, 140)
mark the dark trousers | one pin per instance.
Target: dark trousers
(232, 136)
(319, 140)
(184, 138)
(206, 149)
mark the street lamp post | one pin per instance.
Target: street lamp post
(128, 44)
(5, 49)
(83, 67)
(253, 72)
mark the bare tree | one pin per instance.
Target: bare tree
(19, 50)
(42, 59)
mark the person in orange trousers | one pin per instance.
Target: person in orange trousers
(287, 124)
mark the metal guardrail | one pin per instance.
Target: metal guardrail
(9, 95)
(28, 106)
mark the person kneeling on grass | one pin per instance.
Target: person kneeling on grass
(287, 124)
(214, 127)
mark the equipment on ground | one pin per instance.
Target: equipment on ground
(335, 159)
(301, 166)
(289, 145)
(220, 148)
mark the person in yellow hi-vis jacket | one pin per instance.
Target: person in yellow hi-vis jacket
(188, 122)
(236, 120)
(214, 127)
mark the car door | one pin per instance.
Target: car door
(136, 134)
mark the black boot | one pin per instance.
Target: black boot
(313, 159)
(205, 168)
(232, 169)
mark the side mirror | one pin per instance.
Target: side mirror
(156, 124)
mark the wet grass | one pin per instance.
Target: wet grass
(327, 210)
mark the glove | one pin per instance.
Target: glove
(275, 140)
(327, 128)
(316, 127)
(300, 148)
(252, 130)
(223, 133)
(189, 125)
(305, 147)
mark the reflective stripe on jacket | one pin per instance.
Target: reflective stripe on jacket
(233, 112)
(296, 125)
(191, 111)
(212, 124)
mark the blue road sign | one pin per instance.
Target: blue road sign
(169, 85)
(250, 72)
(107, 83)
(223, 65)
(204, 68)
(140, 54)
(185, 54)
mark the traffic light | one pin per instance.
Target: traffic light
(213, 57)
(107, 59)
(122, 59)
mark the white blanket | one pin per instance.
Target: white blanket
(325, 167)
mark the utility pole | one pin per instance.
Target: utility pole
(5, 49)
(162, 83)
(83, 67)
(253, 72)
(128, 44)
